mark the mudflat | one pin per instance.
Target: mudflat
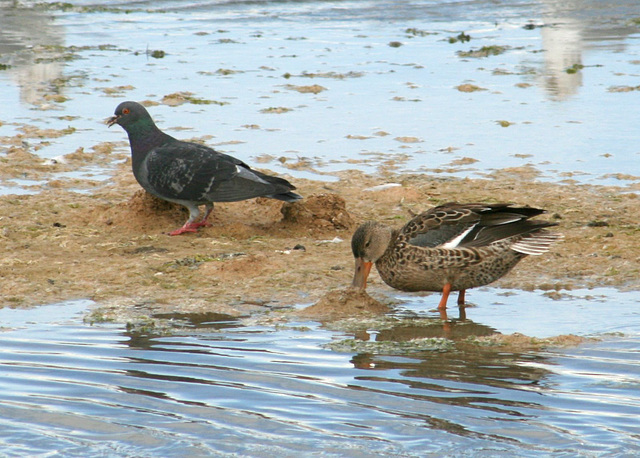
(110, 244)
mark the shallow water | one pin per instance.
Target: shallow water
(384, 106)
(217, 385)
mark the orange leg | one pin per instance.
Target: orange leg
(445, 296)
(461, 297)
(462, 313)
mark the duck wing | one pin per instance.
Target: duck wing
(475, 225)
(442, 226)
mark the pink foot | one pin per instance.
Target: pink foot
(182, 230)
(188, 227)
(200, 224)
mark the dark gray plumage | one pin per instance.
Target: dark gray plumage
(188, 173)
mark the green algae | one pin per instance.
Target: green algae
(485, 51)
(178, 98)
(67, 7)
(575, 68)
(276, 110)
(379, 323)
(412, 31)
(194, 262)
(391, 347)
(460, 38)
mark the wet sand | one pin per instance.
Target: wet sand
(110, 244)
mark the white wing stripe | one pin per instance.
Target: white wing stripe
(456, 241)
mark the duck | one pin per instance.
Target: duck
(190, 174)
(451, 247)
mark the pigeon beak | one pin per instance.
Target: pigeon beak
(111, 121)
(362, 272)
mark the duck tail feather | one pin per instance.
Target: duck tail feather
(537, 243)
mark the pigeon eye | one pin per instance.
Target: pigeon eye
(125, 111)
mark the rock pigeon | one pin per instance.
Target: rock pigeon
(188, 173)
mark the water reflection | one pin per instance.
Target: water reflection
(256, 391)
(563, 46)
(470, 363)
(201, 320)
(453, 329)
(145, 335)
(21, 30)
(435, 392)
(568, 30)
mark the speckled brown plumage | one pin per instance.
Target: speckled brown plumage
(452, 247)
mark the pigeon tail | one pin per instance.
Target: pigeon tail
(286, 197)
(281, 183)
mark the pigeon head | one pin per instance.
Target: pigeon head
(129, 114)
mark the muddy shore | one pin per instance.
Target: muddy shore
(110, 243)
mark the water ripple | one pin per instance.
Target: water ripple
(72, 389)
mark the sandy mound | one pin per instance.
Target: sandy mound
(344, 303)
(144, 212)
(319, 211)
(261, 216)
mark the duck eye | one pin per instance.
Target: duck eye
(125, 111)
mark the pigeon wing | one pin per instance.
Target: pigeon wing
(245, 184)
(197, 173)
(188, 171)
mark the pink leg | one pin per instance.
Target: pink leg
(191, 226)
(203, 221)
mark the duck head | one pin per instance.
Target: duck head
(369, 242)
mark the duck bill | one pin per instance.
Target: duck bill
(362, 273)
(111, 121)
